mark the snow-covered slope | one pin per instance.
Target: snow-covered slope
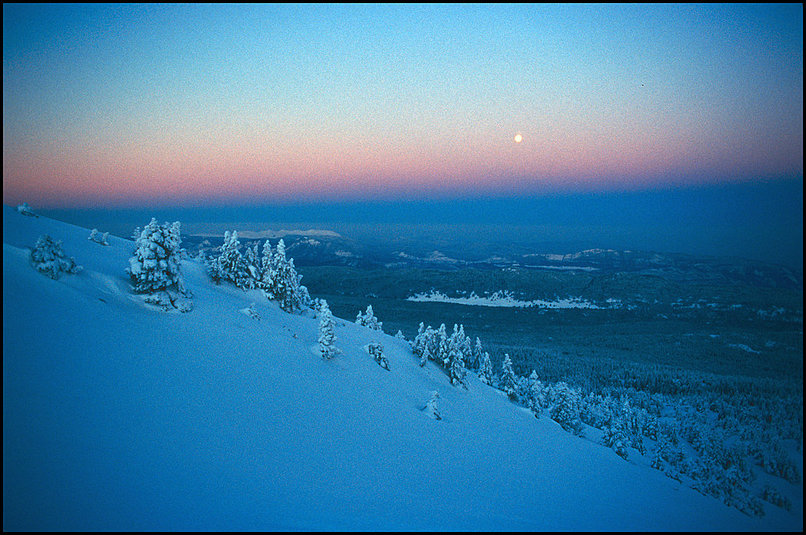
(117, 416)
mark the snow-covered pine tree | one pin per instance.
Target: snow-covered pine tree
(425, 340)
(565, 407)
(453, 346)
(48, 258)
(432, 343)
(465, 346)
(155, 265)
(419, 340)
(279, 268)
(231, 262)
(522, 390)
(368, 319)
(327, 331)
(289, 299)
(662, 449)
(252, 264)
(425, 356)
(456, 370)
(267, 272)
(537, 394)
(214, 269)
(478, 351)
(443, 349)
(508, 382)
(615, 437)
(486, 369)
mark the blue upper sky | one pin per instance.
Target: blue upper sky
(204, 104)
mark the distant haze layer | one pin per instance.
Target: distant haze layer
(755, 220)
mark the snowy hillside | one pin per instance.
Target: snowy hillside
(120, 416)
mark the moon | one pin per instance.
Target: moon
(518, 138)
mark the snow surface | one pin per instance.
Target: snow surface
(118, 416)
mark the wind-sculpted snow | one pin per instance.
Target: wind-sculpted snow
(120, 416)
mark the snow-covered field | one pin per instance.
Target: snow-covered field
(119, 416)
(501, 299)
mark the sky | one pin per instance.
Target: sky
(664, 127)
(127, 105)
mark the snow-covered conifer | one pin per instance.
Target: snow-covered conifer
(507, 382)
(252, 265)
(286, 287)
(565, 407)
(327, 331)
(214, 268)
(368, 319)
(442, 352)
(477, 353)
(537, 394)
(615, 438)
(456, 369)
(417, 343)
(420, 341)
(279, 268)
(486, 369)
(155, 265)
(432, 343)
(231, 263)
(425, 356)
(465, 346)
(267, 271)
(49, 258)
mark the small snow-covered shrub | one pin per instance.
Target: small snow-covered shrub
(24, 209)
(376, 351)
(98, 238)
(251, 312)
(431, 407)
(49, 258)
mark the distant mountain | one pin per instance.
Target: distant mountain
(327, 248)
